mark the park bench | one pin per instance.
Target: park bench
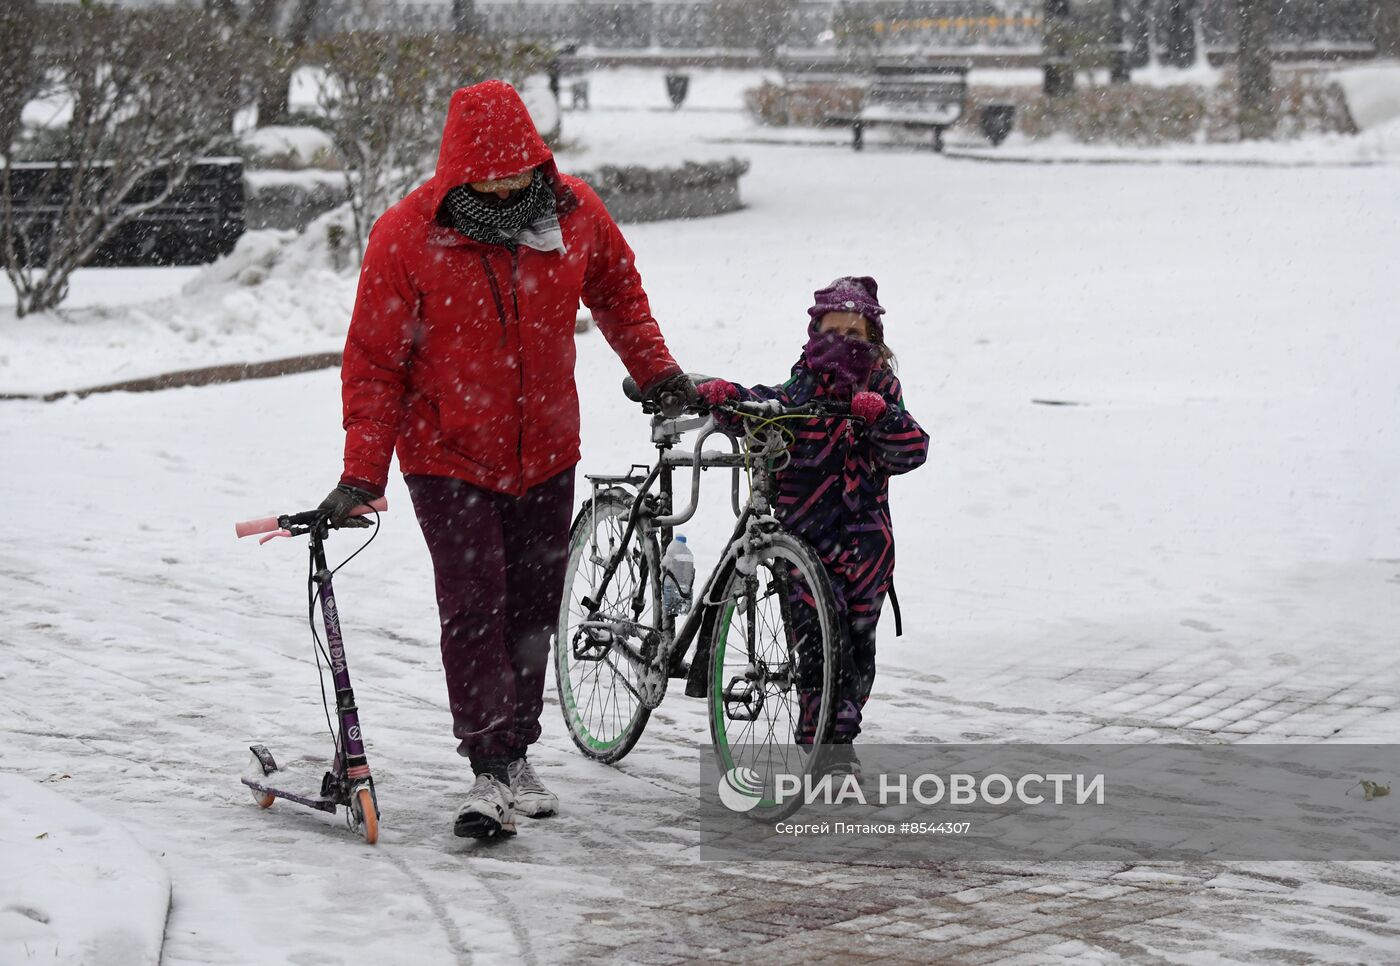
(930, 98)
(200, 221)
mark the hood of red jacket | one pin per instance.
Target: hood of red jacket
(488, 135)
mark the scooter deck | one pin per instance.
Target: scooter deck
(319, 802)
(263, 770)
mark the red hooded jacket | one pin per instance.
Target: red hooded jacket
(460, 353)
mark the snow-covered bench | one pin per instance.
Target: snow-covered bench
(920, 98)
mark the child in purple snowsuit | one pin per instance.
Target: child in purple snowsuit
(835, 491)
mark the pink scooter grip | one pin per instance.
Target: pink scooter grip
(249, 527)
(269, 524)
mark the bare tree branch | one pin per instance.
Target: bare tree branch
(385, 95)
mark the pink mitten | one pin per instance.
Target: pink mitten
(717, 391)
(868, 406)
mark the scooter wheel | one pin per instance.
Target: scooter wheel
(258, 771)
(369, 818)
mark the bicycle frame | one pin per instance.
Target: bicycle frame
(653, 515)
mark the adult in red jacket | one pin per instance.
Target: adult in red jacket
(460, 356)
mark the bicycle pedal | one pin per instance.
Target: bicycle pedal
(742, 701)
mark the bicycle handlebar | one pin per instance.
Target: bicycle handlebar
(747, 407)
(773, 409)
(280, 526)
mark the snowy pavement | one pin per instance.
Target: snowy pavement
(1204, 547)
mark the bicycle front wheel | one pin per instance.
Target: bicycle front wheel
(598, 676)
(773, 657)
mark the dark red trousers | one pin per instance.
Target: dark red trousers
(499, 565)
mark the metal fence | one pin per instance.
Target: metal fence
(940, 25)
(927, 24)
(641, 24)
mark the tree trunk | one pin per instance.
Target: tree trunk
(274, 93)
(464, 17)
(223, 8)
(19, 71)
(274, 105)
(1059, 71)
(1255, 71)
(1119, 54)
(1179, 40)
(1139, 33)
(1388, 28)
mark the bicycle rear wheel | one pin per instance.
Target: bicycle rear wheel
(773, 658)
(599, 686)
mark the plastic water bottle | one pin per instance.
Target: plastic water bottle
(677, 577)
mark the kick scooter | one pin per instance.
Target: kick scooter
(348, 782)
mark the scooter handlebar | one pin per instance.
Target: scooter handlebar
(273, 525)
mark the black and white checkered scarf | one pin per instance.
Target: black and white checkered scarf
(530, 219)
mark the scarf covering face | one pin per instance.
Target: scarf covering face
(845, 363)
(530, 218)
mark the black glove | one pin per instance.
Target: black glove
(341, 501)
(674, 395)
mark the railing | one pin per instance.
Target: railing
(925, 24)
(639, 24)
(942, 25)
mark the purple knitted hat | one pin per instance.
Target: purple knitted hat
(849, 293)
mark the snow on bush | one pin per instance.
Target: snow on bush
(273, 255)
(1372, 94)
(290, 147)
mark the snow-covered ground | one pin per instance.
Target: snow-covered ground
(78, 889)
(1205, 548)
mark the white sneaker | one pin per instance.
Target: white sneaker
(531, 797)
(489, 810)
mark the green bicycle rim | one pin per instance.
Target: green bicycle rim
(566, 688)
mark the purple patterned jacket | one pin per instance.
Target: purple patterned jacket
(835, 491)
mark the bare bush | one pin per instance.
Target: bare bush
(150, 92)
(801, 104)
(21, 67)
(385, 95)
(1305, 103)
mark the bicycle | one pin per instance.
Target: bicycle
(765, 621)
(348, 783)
